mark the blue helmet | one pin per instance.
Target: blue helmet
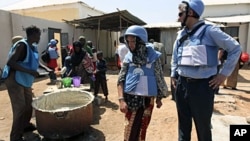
(196, 5)
(138, 31)
(53, 42)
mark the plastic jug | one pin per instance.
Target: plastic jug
(67, 82)
(77, 81)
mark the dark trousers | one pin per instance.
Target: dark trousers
(172, 90)
(194, 100)
(21, 99)
(52, 74)
(101, 81)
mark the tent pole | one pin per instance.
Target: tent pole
(98, 34)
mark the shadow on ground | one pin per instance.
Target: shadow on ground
(91, 135)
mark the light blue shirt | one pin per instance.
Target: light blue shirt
(53, 52)
(213, 37)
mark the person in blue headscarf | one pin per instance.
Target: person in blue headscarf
(52, 64)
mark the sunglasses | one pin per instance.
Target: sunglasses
(180, 14)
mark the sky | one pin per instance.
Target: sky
(150, 11)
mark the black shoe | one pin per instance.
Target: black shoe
(234, 89)
(225, 87)
(30, 128)
(31, 136)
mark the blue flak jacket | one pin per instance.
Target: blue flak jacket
(30, 62)
(141, 80)
(213, 39)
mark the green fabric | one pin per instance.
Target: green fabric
(88, 49)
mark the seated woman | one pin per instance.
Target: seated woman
(81, 63)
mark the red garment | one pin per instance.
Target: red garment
(244, 57)
(119, 62)
(71, 49)
(52, 63)
(138, 122)
(88, 64)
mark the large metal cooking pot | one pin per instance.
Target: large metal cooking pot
(64, 113)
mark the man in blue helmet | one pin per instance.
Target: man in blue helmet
(194, 61)
(140, 82)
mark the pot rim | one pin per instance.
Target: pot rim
(55, 111)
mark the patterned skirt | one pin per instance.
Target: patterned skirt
(136, 122)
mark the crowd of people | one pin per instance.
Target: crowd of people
(204, 57)
(22, 68)
(82, 60)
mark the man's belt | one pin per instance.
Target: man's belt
(189, 79)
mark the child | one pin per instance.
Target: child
(100, 74)
(68, 65)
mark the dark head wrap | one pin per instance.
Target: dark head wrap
(77, 56)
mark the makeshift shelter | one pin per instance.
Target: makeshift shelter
(113, 22)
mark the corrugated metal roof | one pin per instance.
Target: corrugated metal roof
(230, 19)
(225, 2)
(26, 4)
(115, 21)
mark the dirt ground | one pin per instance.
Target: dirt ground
(108, 121)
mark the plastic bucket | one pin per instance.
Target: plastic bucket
(67, 81)
(77, 81)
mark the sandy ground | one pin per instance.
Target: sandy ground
(108, 121)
